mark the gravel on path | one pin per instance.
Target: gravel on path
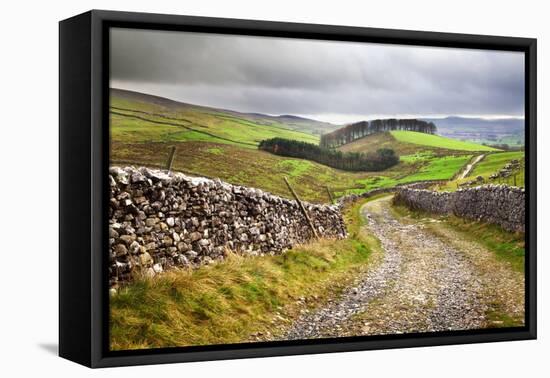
(423, 284)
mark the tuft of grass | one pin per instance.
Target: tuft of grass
(232, 300)
(498, 318)
(215, 151)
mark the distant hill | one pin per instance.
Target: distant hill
(290, 122)
(358, 130)
(220, 143)
(510, 131)
(411, 142)
(438, 141)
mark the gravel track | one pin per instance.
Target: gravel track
(470, 167)
(424, 283)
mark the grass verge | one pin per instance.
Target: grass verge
(233, 300)
(507, 246)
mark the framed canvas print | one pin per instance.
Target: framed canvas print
(234, 188)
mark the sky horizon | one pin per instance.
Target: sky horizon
(345, 119)
(331, 81)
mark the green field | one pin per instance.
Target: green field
(437, 168)
(373, 142)
(131, 123)
(416, 157)
(437, 141)
(222, 144)
(491, 164)
(413, 147)
(443, 168)
(244, 166)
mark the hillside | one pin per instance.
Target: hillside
(373, 142)
(223, 144)
(423, 156)
(411, 143)
(437, 141)
(509, 131)
(358, 130)
(489, 170)
(212, 117)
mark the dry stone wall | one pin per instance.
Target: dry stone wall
(351, 198)
(158, 221)
(497, 204)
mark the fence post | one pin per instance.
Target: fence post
(171, 158)
(329, 195)
(302, 208)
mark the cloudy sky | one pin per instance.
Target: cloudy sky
(337, 82)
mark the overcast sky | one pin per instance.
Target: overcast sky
(337, 82)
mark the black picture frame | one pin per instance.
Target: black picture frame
(83, 167)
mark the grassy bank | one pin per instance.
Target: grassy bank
(506, 246)
(231, 301)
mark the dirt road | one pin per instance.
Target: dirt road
(470, 167)
(428, 279)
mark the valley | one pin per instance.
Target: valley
(396, 271)
(223, 144)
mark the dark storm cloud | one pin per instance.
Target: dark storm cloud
(279, 76)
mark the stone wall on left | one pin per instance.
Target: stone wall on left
(160, 220)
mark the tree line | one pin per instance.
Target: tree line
(349, 133)
(348, 161)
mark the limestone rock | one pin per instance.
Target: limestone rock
(160, 220)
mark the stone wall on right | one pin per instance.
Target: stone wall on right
(497, 204)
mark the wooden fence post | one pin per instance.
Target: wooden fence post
(329, 195)
(171, 159)
(302, 208)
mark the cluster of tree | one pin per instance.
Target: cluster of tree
(348, 161)
(361, 129)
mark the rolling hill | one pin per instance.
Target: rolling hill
(437, 141)
(219, 143)
(411, 143)
(252, 126)
(509, 131)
